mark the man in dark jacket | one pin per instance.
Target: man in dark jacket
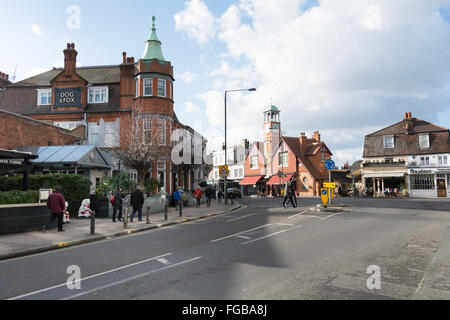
(117, 205)
(57, 204)
(137, 202)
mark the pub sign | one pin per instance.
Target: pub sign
(69, 97)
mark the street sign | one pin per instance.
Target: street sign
(329, 185)
(330, 165)
(324, 194)
(223, 171)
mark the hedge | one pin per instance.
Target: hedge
(19, 197)
(75, 188)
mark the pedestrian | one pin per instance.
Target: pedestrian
(177, 197)
(208, 194)
(137, 202)
(219, 196)
(117, 203)
(293, 194)
(288, 194)
(198, 196)
(57, 204)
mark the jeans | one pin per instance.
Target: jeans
(139, 211)
(59, 217)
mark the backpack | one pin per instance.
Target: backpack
(113, 199)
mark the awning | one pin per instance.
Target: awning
(384, 175)
(276, 180)
(250, 181)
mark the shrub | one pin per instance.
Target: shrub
(18, 197)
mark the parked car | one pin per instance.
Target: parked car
(234, 192)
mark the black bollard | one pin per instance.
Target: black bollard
(125, 218)
(93, 222)
(148, 215)
(180, 209)
(166, 217)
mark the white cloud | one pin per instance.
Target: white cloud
(191, 108)
(346, 68)
(187, 77)
(36, 29)
(196, 21)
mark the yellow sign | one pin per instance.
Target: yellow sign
(329, 185)
(223, 171)
(324, 194)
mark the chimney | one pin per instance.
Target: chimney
(316, 136)
(303, 142)
(408, 125)
(70, 59)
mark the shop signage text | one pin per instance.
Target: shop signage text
(70, 97)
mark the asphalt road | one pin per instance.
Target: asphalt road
(260, 252)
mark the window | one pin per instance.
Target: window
(216, 174)
(445, 159)
(44, 97)
(425, 161)
(148, 87)
(389, 142)
(161, 165)
(94, 131)
(147, 127)
(111, 135)
(424, 141)
(161, 88)
(389, 160)
(98, 95)
(236, 173)
(68, 125)
(440, 160)
(137, 88)
(422, 182)
(284, 159)
(162, 132)
(254, 162)
(241, 173)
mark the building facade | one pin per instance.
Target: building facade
(106, 100)
(411, 156)
(271, 163)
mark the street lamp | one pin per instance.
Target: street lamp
(226, 154)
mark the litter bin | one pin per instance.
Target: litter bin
(100, 205)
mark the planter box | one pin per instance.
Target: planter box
(24, 218)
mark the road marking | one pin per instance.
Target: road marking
(163, 261)
(298, 214)
(239, 233)
(271, 235)
(249, 215)
(130, 279)
(333, 215)
(286, 224)
(90, 277)
(244, 237)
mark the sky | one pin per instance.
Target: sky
(342, 67)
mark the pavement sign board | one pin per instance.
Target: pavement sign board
(329, 185)
(224, 171)
(324, 194)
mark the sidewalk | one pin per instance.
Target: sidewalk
(78, 231)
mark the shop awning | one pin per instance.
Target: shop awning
(250, 181)
(385, 175)
(276, 180)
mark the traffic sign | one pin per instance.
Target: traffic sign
(324, 194)
(223, 171)
(330, 165)
(329, 185)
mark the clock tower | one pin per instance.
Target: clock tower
(272, 131)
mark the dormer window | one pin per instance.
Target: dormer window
(389, 142)
(44, 97)
(98, 95)
(424, 141)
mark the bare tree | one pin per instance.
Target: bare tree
(140, 145)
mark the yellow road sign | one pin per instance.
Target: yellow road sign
(324, 195)
(224, 171)
(329, 185)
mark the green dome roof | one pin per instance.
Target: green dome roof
(272, 108)
(153, 46)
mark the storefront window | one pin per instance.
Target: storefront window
(422, 182)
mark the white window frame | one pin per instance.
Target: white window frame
(98, 90)
(162, 133)
(252, 164)
(112, 132)
(68, 125)
(283, 159)
(48, 93)
(165, 87)
(386, 146)
(146, 81)
(137, 88)
(424, 144)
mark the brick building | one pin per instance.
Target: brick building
(104, 99)
(301, 157)
(4, 80)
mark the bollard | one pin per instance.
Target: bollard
(180, 208)
(92, 222)
(166, 217)
(232, 201)
(125, 218)
(148, 215)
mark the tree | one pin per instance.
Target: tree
(140, 145)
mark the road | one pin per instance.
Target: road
(260, 252)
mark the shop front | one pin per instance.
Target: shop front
(429, 183)
(253, 185)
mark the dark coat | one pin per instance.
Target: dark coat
(56, 203)
(118, 199)
(137, 199)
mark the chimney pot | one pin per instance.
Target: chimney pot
(124, 54)
(406, 115)
(72, 45)
(7, 77)
(68, 46)
(410, 115)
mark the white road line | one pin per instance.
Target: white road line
(333, 215)
(130, 279)
(163, 261)
(236, 234)
(271, 235)
(249, 215)
(90, 277)
(244, 237)
(286, 224)
(297, 215)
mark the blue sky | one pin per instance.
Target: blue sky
(345, 68)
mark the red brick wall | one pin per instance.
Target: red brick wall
(17, 131)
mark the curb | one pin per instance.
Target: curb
(62, 245)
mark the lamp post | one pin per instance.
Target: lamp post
(226, 153)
